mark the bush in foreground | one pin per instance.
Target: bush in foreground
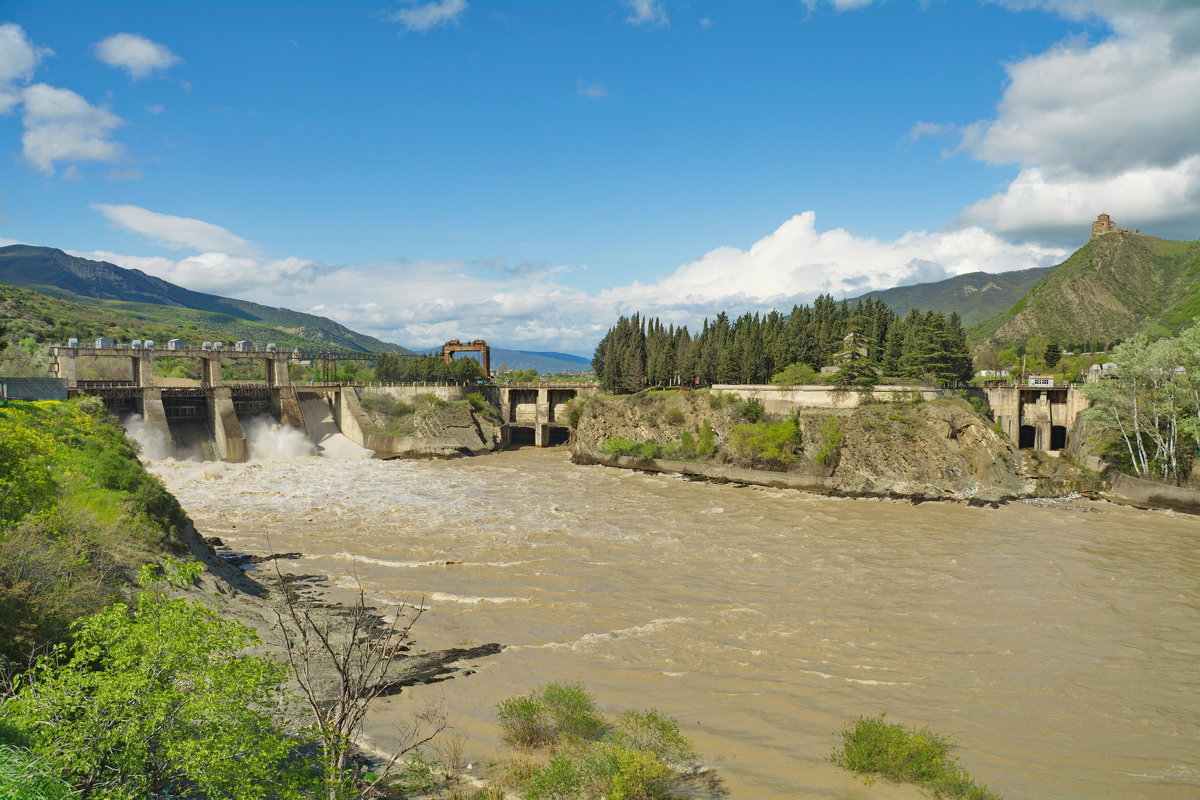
(639, 755)
(159, 697)
(876, 748)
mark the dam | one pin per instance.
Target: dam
(208, 420)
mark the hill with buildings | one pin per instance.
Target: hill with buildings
(1120, 283)
(134, 301)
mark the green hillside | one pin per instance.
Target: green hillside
(976, 296)
(47, 318)
(1116, 285)
(131, 293)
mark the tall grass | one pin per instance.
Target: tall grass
(876, 748)
(24, 777)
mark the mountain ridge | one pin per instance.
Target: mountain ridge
(54, 272)
(975, 296)
(1118, 284)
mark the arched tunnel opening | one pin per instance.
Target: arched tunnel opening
(1058, 437)
(559, 436)
(1028, 437)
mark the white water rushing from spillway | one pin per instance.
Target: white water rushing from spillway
(1058, 642)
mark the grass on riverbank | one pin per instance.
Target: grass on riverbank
(876, 748)
(575, 752)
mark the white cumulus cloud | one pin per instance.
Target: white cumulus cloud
(222, 273)
(176, 232)
(62, 126)
(1108, 126)
(135, 54)
(646, 12)
(19, 57)
(423, 303)
(430, 15)
(797, 262)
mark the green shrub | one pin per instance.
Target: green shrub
(706, 443)
(687, 445)
(156, 695)
(478, 402)
(522, 722)
(385, 404)
(675, 416)
(620, 446)
(429, 399)
(572, 711)
(562, 778)
(769, 444)
(718, 400)
(751, 410)
(873, 747)
(591, 758)
(654, 733)
(575, 411)
(650, 450)
(555, 712)
(831, 443)
(795, 374)
(416, 775)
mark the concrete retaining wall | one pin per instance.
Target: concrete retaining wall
(447, 393)
(777, 400)
(352, 421)
(1142, 492)
(808, 482)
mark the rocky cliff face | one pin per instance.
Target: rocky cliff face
(428, 426)
(930, 450)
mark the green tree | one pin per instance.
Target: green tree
(466, 370)
(523, 375)
(158, 697)
(1053, 355)
(794, 375)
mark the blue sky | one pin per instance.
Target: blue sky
(525, 171)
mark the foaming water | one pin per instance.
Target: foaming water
(1059, 643)
(155, 444)
(268, 440)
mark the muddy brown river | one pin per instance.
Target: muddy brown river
(1058, 642)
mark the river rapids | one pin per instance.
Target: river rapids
(1058, 642)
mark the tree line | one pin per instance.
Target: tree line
(395, 368)
(866, 340)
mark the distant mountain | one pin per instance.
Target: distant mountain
(1118, 284)
(543, 362)
(975, 296)
(136, 295)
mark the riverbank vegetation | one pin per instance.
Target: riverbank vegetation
(78, 516)
(866, 339)
(875, 748)
(716, 427)
(1146, 411)
(111, 692)
(572, 751)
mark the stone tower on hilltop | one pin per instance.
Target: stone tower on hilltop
(1102, 225)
